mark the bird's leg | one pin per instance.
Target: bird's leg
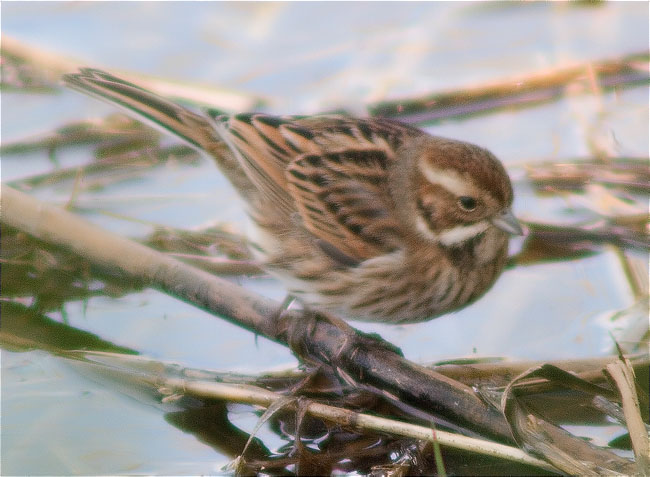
(295, 329)
(302, 331)
(356, 339)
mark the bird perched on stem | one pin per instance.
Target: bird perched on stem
(371, 219)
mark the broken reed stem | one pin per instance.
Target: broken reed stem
(622, 374)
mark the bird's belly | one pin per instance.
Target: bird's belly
(382, 289)
(392, 288)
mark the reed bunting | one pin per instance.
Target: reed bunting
(371, 219)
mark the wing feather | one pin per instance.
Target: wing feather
(332, 170)
(343, 200)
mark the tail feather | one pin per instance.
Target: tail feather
(196, 130)
(153, 109)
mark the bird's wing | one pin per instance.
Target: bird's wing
(264, 146)
(332, 170)
(343, 200)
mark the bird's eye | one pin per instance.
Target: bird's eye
(467, 203)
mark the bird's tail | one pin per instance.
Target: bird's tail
(149, 107)
(195, 129)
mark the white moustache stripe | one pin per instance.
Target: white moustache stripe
(423, 228)
(447, 178)
(461, 233)
(452, 236)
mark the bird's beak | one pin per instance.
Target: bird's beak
(507, 222)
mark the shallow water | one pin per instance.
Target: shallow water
(307, 57)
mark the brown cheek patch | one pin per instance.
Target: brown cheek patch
(434, 203)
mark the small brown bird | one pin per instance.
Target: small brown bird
(368, 218)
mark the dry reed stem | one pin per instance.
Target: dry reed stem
(220, 266)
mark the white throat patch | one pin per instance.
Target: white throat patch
(460, 233)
